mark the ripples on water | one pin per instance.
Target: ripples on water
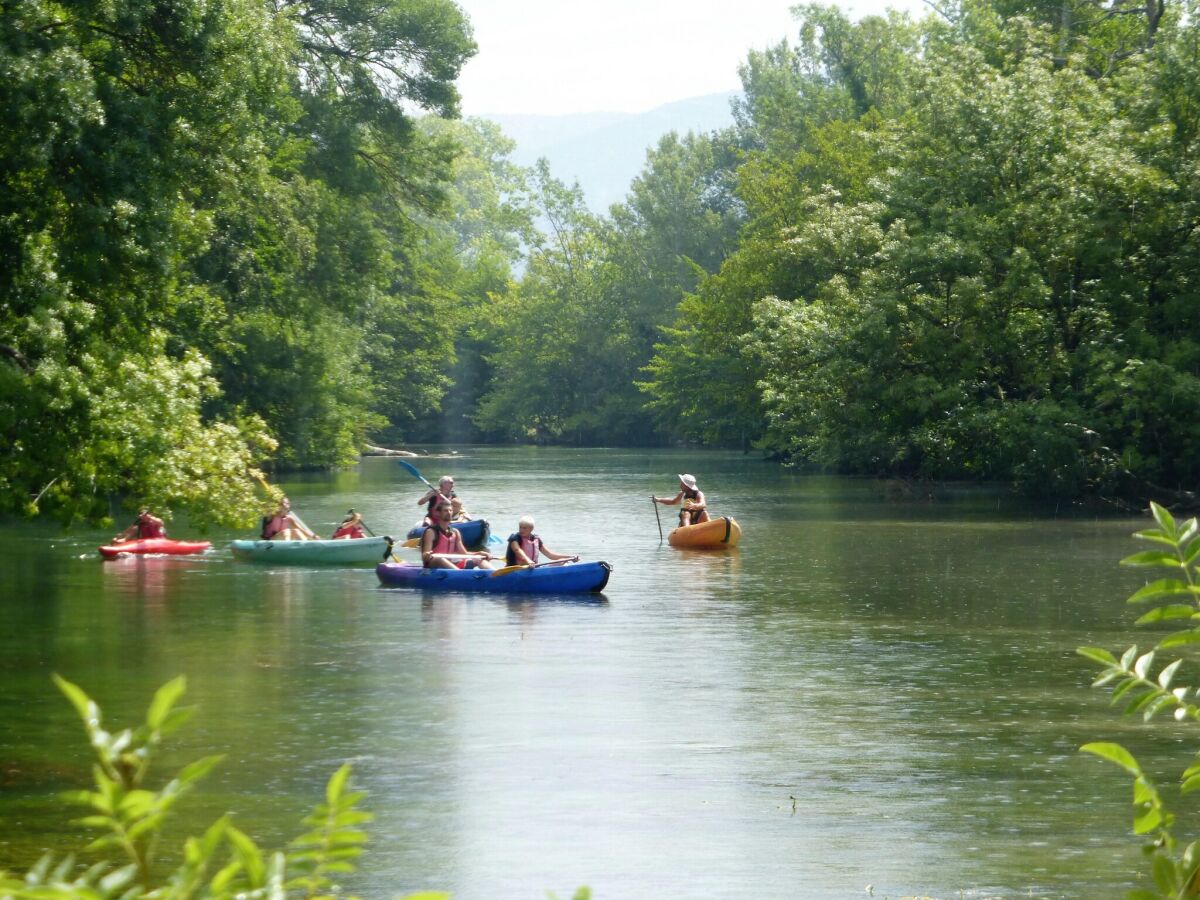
(865, 692)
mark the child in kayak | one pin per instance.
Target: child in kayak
(440, 541)
(351, 528)
(144, 527)
(694, 507)
(524, 547)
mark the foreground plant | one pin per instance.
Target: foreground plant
(223, 862)
(1149, 689)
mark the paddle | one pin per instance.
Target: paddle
(412, 470)
(657, 519)
(508, 570)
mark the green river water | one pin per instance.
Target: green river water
(876, 688)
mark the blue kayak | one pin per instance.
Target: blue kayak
(573, 578)
(475, 533)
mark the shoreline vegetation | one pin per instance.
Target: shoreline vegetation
(962, 247)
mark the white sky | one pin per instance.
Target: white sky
(564, 56)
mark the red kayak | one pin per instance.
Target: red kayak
(155, 545)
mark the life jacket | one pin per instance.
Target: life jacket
(271, 526)
(445, 543)
(688, 495)
(352, 530)
(150, 530)
(529, 546)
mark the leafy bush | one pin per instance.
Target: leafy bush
(1175, 868)
(222, 862)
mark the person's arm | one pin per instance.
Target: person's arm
(697, 504)
(427, 539)
(665, 502)
(127, 534)
(558, 556)
(426, 497)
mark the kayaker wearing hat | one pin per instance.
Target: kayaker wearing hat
(694, 508)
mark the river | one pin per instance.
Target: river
(877, 688)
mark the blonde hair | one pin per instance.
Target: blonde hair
(525, 520)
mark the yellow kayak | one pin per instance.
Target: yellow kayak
(722, 532)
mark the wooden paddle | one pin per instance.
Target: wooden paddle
(657, 519)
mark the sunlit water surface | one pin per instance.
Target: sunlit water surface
(876, 688)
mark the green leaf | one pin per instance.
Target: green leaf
(1165, 520)
(1152, 558)
(1167, 613)
(1142, 666)
(1165, 873)
(117, 879)
(1097, 654)
(337, 784)
(1128, 657)
(1147, 822)
(175, 719)
(1156, 536)
(83, 704)
(164, 699)
(1168, 673)
(1164, 587)
(193, 772)
(1114, 753)
(1180, 639)
(1190, 784)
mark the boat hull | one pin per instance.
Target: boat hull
(715, 533)
(475, 533)
(155, 545)
(308, 553)
(576, 578)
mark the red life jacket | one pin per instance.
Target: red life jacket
(353, 530)
(529, 546)
(444, 542)
(150, 530)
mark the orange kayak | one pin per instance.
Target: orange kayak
(722, 532)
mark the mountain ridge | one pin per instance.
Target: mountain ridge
(605, 151)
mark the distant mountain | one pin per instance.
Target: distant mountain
(604, 152)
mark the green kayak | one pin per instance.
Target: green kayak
(307, 553)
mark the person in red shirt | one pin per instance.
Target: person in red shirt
(351, 528)
(144, 527)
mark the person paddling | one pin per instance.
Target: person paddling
(145, 527)
(286, 525)
(444, 491)
(524, 547)
(351, 528)
(441, 540)
(694, 507)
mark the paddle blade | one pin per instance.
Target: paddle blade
(412, 470)
(412, 542)
(508, 570)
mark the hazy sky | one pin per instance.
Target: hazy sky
(563, 56)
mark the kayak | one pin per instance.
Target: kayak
(475, 533)
(722, 532)
(154, 545)
(352, 550)
(573, 578)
